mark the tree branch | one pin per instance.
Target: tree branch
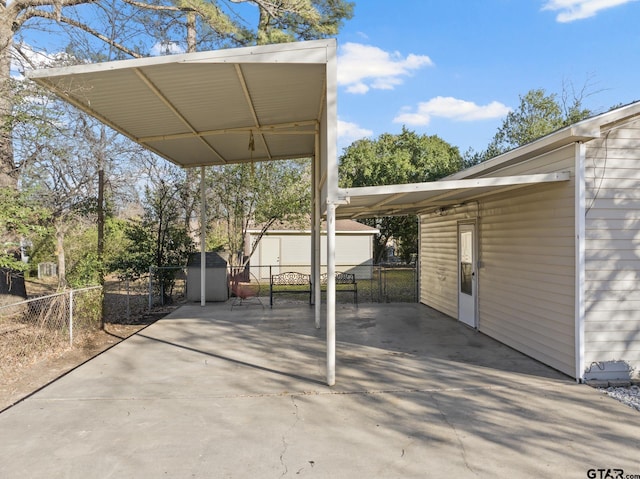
(33, 13)
(21, 5)
(157, 8)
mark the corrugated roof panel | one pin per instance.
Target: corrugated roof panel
(300, 86)
(188, 107)
(282, 145)
(220, 103)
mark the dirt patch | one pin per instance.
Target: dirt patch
(33, 355)
(18, 383)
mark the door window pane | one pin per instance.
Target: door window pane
(466, 286)
(466, 262)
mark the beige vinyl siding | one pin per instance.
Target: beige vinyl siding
(295, 249)
(354, 250)
(354, 253)
(527, 254)
(439, 259)
(526, 289)
(612, 276)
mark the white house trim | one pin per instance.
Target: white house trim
(580, 225)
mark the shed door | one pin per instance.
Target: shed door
(270, 255)
(467, 281)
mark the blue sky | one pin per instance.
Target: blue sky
(455, 68)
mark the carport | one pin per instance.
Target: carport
(251, 104)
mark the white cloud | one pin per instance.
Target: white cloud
(349, 132)
(362, 67)
(24, 57)
(451, 108)
(571, 10)
(165, 48)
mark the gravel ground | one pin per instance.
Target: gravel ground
(626, 395)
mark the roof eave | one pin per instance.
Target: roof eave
(583, 131)
(566, 136)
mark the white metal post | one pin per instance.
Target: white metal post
(314, 198)
(203, 247)
(317, 234)
(318, 257)
(331, 294)
(328, 128)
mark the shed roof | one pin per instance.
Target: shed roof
(342, 226)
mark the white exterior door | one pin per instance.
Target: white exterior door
(269, 255)
(467, 278)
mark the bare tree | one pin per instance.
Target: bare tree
(131, 27)
(247, 195)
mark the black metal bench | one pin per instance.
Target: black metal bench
(289, 282)
(345, 282)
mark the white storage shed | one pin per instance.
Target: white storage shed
(286, 248)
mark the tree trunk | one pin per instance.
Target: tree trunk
(62, 268)
(100, 219)
(8, 172)
(191, 32)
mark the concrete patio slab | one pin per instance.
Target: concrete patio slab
(214, 393)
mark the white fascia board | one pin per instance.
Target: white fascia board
(451, 184)
(313, 51)
(583, 131)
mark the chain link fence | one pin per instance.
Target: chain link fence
(45, 325)
(129, 300)
(126, 300)
(394, 283)
(166, 285)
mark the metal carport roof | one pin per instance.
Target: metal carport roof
(207, 108)
(417, 198)
(259, 104)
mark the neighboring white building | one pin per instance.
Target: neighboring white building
(282, 249)
(551, 269)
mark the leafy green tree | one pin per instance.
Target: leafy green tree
(20, 220)
(260, 194)
(538, 114)
(157, 239)
(395, 159)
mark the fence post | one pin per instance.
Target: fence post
(150, 288)
(71, 318)
(128, 301)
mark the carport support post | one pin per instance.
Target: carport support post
(315, 237)
(203, 247)
(331, 294)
